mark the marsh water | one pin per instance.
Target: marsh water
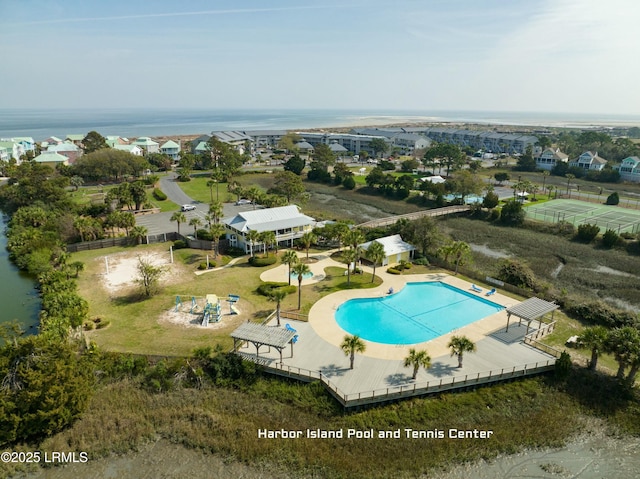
(19, 300)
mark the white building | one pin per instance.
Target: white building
(395, 249)
(287, 222)
(629, 169)
(550, 157)
(589, 160)
(171, 149)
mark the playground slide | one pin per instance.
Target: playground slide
(205, 319)
(234, 310)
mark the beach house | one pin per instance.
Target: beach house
(549, 158)
(589, 160)
(629, 169)
(286, 222)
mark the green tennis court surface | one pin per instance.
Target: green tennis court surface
(579, 212)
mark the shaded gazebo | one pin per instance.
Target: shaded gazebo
(532, 309)
(263, 335)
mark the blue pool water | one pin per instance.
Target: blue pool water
(469, 199)
(304, 276)
(419, 312)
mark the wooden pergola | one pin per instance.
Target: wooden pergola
(262, 335)
(530, 310)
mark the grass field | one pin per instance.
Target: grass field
(576, 212)
(134, 322)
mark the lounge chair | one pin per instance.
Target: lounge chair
(490, 292)
(390, 291)
(289, 328)
(476, 289)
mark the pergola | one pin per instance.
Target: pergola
(262, 335)
(530, 310)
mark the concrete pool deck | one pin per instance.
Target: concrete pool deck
(381, 365)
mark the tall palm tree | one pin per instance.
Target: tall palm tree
(349, 256)
(300, 269)
(353, 238)
(416, 359)
(215, 210)
(307, 240)
(216, 230)
(277, 295)
(290, 258)
(352, 345)
(252, 236)
(545, 173)
(594, 338)
(460, 345)
(268, 238)
(461, 252)
(195, 222)
(179, 218)
(569, 177)
(375, 252)
(210, 184)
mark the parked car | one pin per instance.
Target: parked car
(188, 207)
(243, 202)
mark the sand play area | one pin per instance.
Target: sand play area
(120, 272)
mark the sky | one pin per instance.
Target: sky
(574, 56)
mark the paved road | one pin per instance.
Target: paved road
(160, 222)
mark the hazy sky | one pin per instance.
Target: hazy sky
(574, 56)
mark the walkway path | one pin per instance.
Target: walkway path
(447, 210)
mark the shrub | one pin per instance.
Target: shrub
(494, 215)
(516, 273)
(613, 199)
(599, 313)
(587, 232)
(266, 289)
(203, 265)
(259, 261)
(234, 252)
(159, 195)
(179, 244)
(563, 365)
(512, 213)
(349, 183)
(628, 236)
(610, 238)
(421, 261)
(490, 200)
(393, 271)
(103, 324)
(204, 234)
(88, 325)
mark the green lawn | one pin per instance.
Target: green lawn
(198, 190)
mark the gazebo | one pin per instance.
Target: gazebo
(262, 335)
(530, 310)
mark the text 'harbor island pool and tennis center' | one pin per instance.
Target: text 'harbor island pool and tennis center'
(419, 312)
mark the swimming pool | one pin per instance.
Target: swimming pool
(419, 312)
(304, 276)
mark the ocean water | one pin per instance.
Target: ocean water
(41, 123)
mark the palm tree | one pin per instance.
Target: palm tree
(300, 269)
(252, 236)
(375, 252)
(209, 218)
(290, 258)
(178, 217)
(417, 359)
(138, 233)
(253, 194)
(594, 338)
(624, 344)
(545, 173)
(215, 210)
(307, 240)
(267, 238)
(277, 295)
(216, 230)
(460, 345)
(569, 177)
(349, 256)
(195, 222)
(461, 251)
(77, 266)
(352, 345)
(210, 184)
(353, 238)
(445, 251)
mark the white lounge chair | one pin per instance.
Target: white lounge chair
(476, 289)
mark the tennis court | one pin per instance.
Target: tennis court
(577, 212)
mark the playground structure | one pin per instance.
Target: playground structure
(212, 310)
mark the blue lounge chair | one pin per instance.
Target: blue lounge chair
(490, 292)
(476, 289)
(390, 291)
(289, 328)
